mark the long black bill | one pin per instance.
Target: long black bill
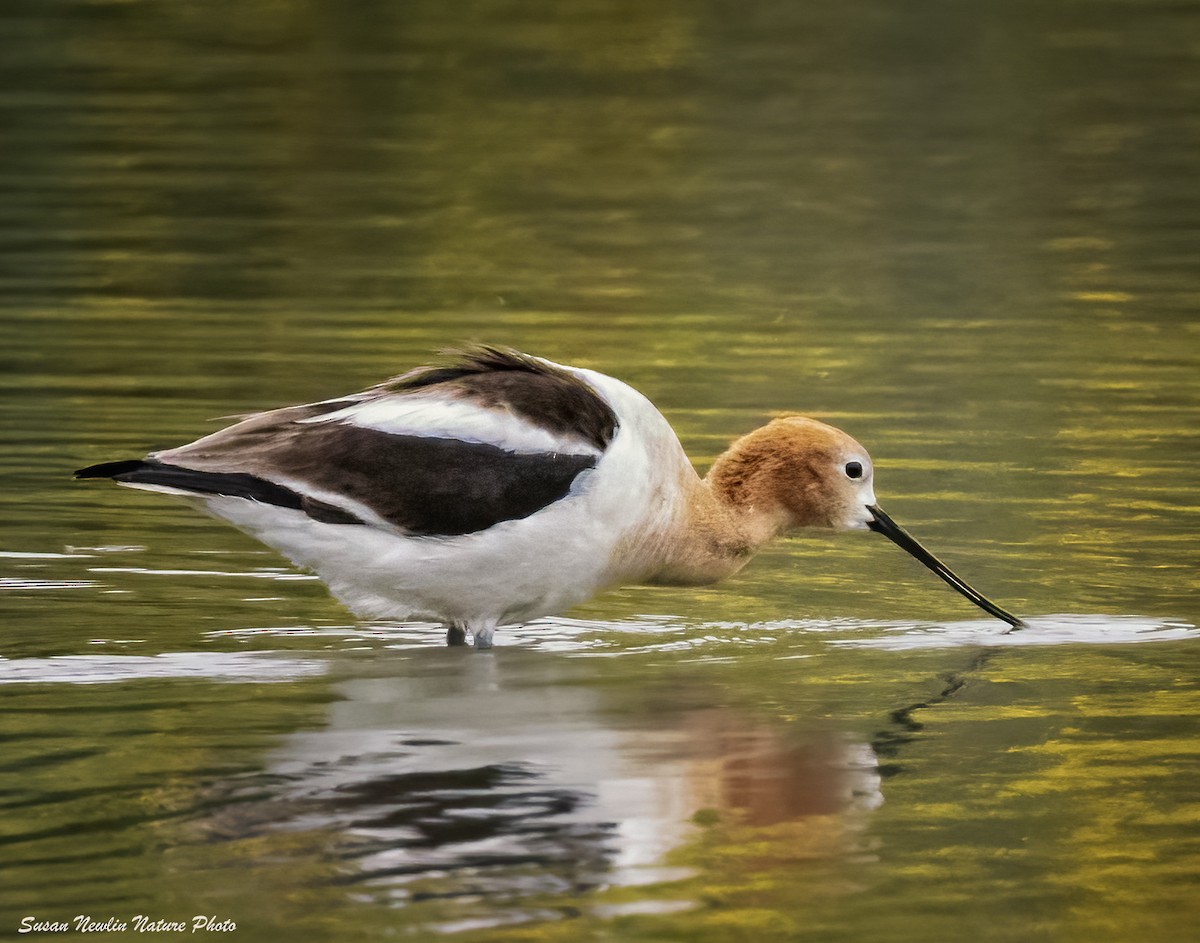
(902, 538)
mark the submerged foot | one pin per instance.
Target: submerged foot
(483, 635)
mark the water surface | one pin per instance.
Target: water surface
(965, 234)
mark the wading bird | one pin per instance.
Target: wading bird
(499, 487)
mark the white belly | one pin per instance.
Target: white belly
(512, 572)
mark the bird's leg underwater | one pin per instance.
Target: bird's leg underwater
(483, 633)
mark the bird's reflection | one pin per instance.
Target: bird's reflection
(518, 774)
(754, 772)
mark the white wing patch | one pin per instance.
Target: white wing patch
(442, 417)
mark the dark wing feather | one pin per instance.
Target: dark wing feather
(432, 486)
(424, 486)
(231, 484)
(542, 393)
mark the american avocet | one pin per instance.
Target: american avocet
(499, 487)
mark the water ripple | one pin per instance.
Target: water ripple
(1061, 629)
(256, 667)
(662, 634)
(21, 584)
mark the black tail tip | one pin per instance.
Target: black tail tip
(110, 469)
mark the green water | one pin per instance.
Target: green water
(966, 233)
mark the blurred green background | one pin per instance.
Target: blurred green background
(966, 233)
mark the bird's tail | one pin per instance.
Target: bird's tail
(158, 474)
(147, 473)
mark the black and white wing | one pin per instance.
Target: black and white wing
(491, 436)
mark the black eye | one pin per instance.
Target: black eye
(854, 469)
